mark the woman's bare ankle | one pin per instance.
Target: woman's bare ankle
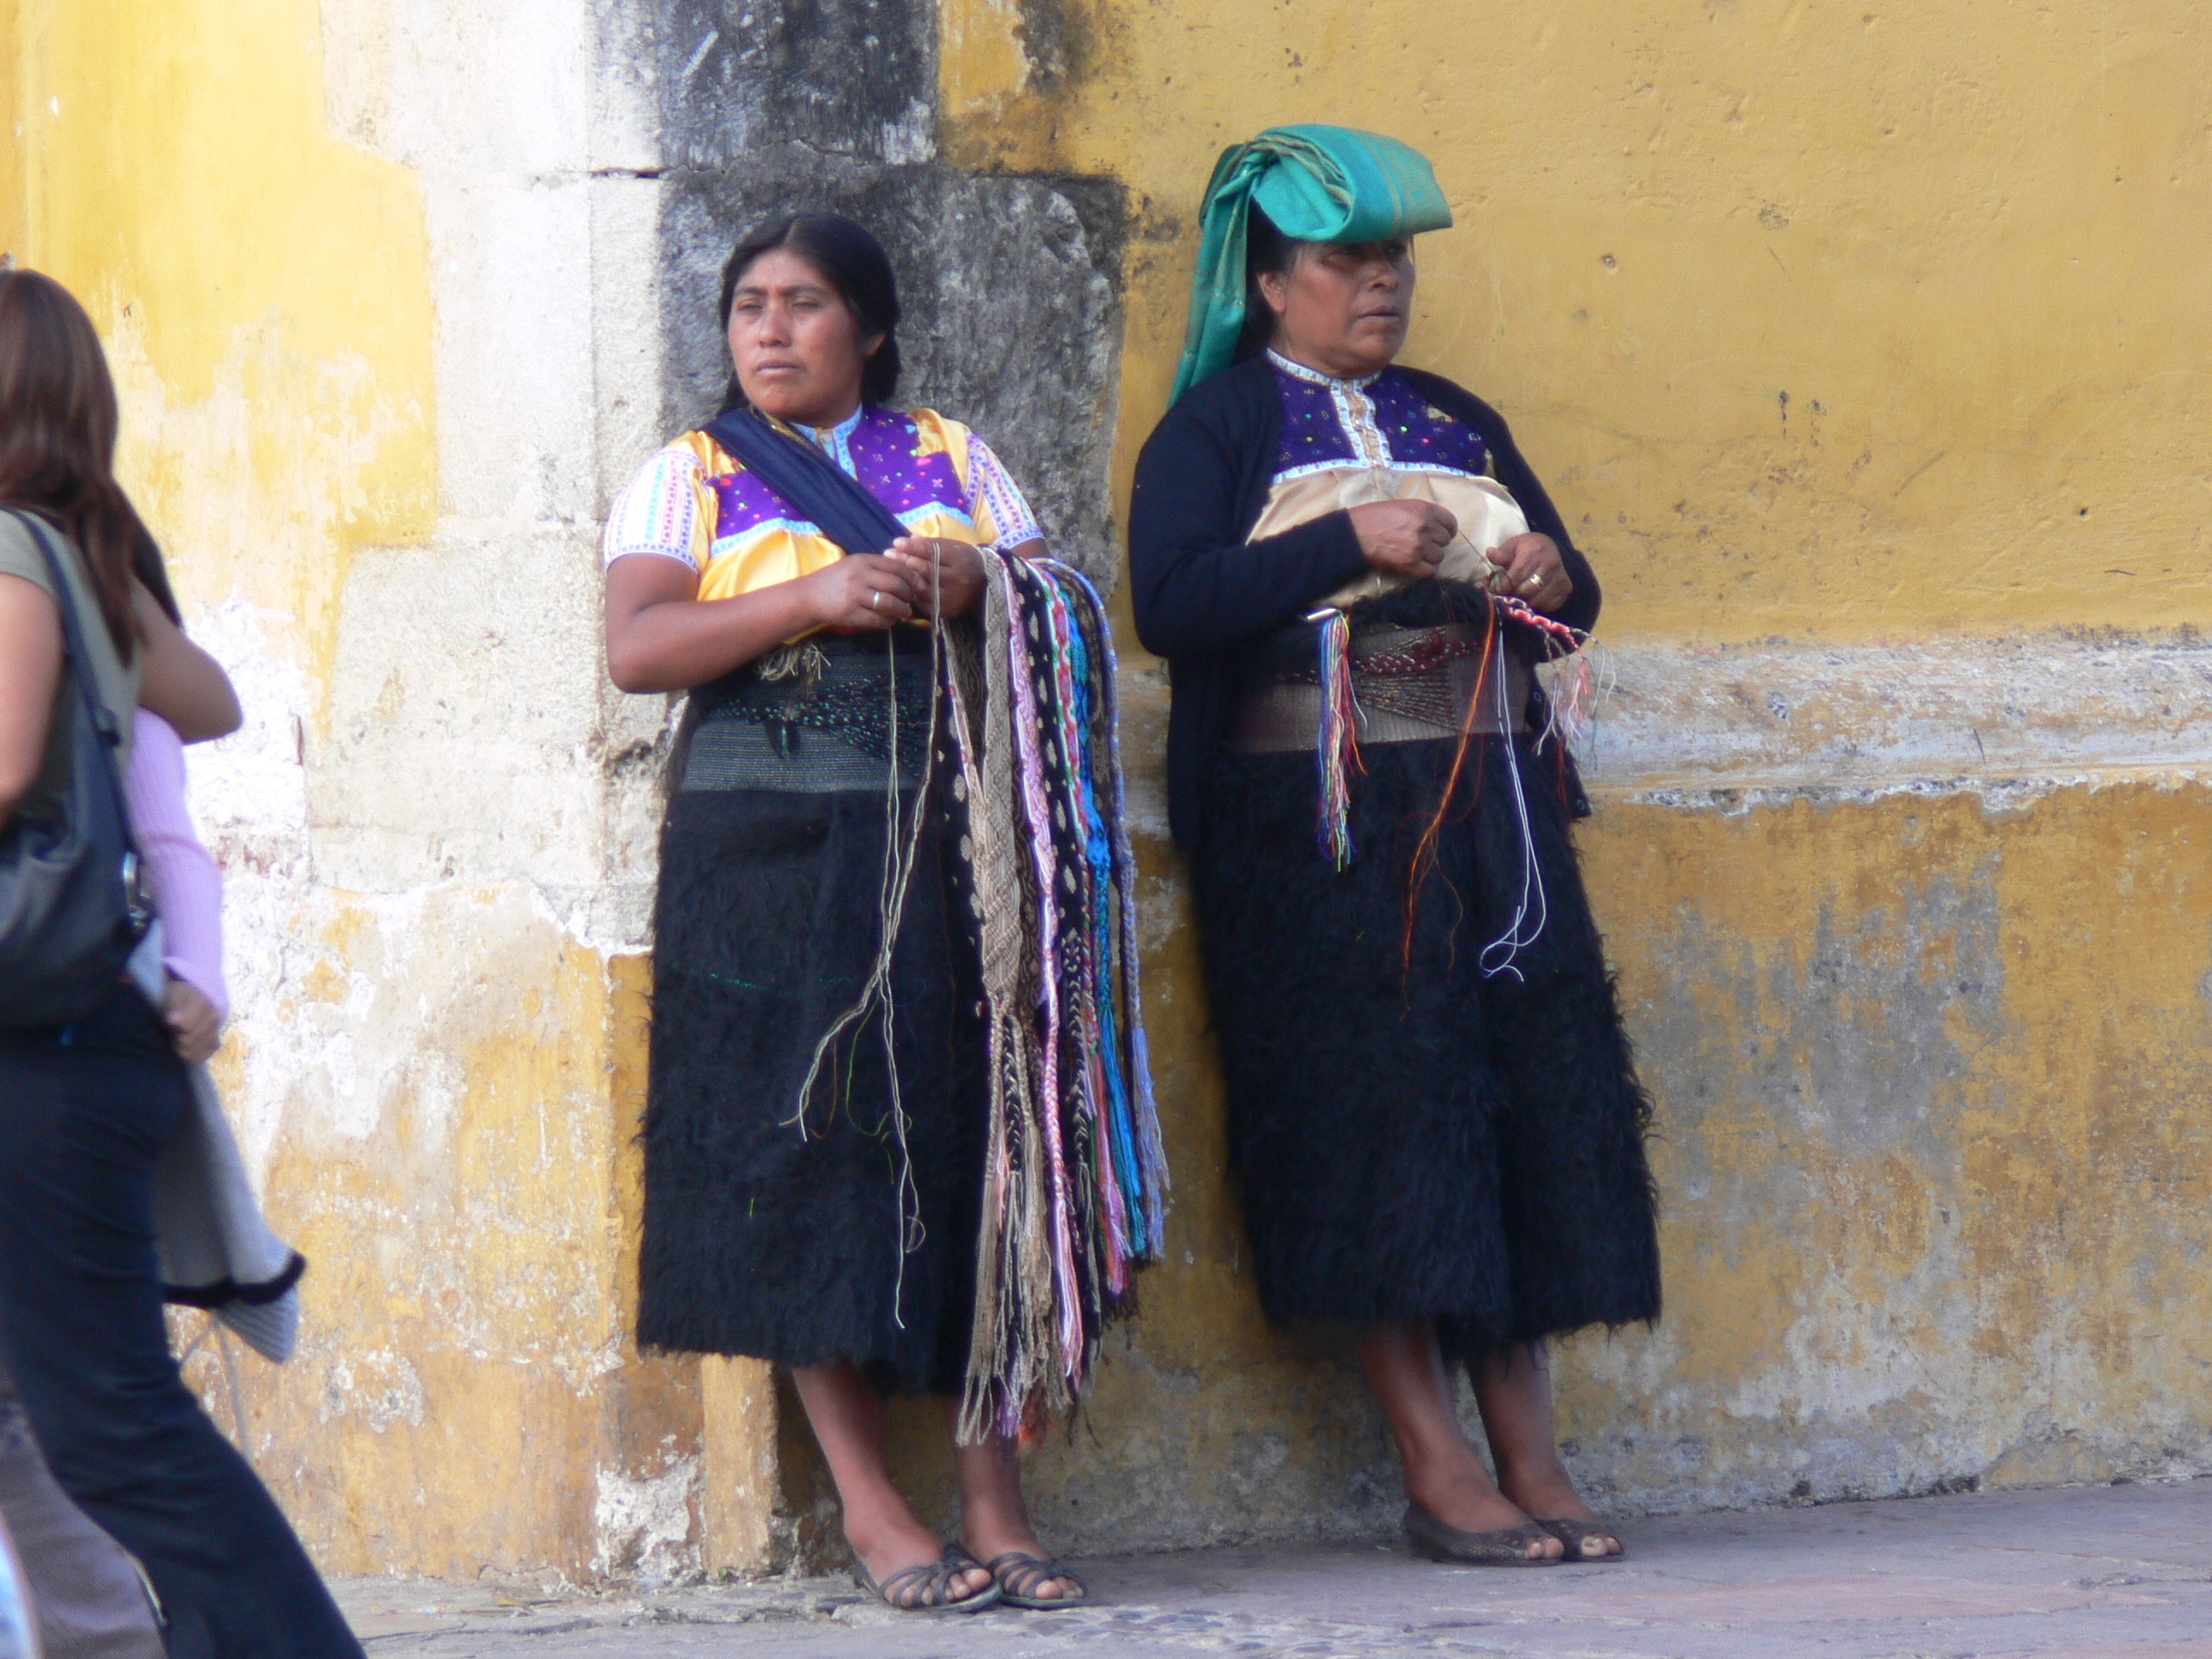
(1544, 1488)
(1462, 1498)
(882, 1524)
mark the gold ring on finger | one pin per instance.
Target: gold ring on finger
(1532, 581)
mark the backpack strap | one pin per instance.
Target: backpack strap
(80, 663)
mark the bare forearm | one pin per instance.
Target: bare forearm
(677, 644)
(30, 678)
(182, 683)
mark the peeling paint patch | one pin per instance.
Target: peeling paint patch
(642, 1527)
(1726, 726)
(381, 1387)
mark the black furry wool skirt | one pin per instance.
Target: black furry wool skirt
(1417, 1139)
(838, 1236)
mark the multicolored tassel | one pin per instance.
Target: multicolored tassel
(1574, 692)
(1338, 753)
(1074, 1193)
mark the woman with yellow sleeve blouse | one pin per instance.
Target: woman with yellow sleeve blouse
(810, 1203)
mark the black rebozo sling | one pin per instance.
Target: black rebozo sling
(809, 480)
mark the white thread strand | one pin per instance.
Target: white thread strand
(1513, 941)
(876, 994)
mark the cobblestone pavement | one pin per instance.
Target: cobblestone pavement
(2096, 1572)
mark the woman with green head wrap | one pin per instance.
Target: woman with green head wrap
(1353, 572)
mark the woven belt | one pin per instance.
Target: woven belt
(1412, 685)
(806, 760)
(825, 727)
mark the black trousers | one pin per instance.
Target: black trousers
(84, 1110)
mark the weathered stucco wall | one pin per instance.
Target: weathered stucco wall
(345, 258)
(1827, 322)
(1867, 351)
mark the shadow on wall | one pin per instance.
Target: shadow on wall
(1011, 284)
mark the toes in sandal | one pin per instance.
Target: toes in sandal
(1018, 1573)
(1573, 1532)
(931, 1583)
(1508, 1547)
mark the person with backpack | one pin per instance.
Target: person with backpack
(92, 1086)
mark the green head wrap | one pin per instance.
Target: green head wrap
(1318, 184)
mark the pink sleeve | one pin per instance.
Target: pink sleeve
(187, 888)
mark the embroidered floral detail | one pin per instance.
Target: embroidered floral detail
(1377, 420)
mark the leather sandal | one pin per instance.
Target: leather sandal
(1572, 1534)
(1017, 1573)
(1508, 1547)
(934, 1580)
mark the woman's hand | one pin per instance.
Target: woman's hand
(1533, 572)
(946, 575)
(661, 636)
(862, 590)
(194, 1026)
(1406, 537)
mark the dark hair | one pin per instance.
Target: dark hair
(1267, 252)
(57, 438)
(851, 261)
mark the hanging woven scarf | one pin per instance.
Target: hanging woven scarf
(1075, 1181)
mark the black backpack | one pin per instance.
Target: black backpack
(72, 909)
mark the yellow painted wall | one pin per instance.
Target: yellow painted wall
(1969, 240)
(1856, 331)
(1935, 1166)
(262, 287)
(439, 1084)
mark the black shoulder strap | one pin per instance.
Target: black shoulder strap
(809, 481)
(81, 661)
(81, 670)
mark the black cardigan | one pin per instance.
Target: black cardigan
(1202, 592)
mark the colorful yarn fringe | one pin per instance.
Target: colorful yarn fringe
(1075, 1180)
(1574, 690)
(1570, 704)
(1338, 751)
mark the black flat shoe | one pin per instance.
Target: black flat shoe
(1508, 1547)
